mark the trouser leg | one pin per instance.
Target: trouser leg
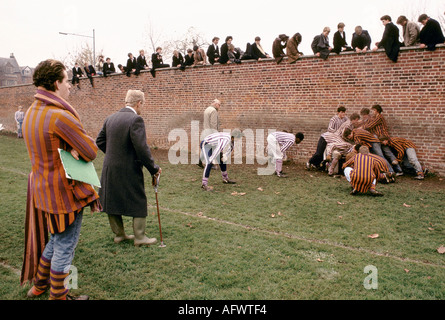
(317, 158)
(60, 251)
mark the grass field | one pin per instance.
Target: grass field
(265, 238)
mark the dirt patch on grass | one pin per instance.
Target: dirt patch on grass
(430, 183)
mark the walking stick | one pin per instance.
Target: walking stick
(155, 181)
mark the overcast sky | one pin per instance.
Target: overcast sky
(30, 29)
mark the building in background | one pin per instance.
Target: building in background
(12, 74)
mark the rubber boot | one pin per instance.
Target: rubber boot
(332, 166)
(117, 226)
(139, 233)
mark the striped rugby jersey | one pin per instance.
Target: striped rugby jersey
(400, 145)
(285, 140)
(336, 122)
(220, 141)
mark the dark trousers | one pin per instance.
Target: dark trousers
(209, 164)
(317, 158)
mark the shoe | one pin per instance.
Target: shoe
(398, 174)
(206, 188)
(33, 292)
(83, 297)
(392, 177)
(375, 193)
(228, 181)
(387, 177)
(353, 192)
(419, 177)
(280, 174)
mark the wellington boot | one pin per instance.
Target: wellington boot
(139, 233)
(332, 167)
(117, 226)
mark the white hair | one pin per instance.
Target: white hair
(133, 97)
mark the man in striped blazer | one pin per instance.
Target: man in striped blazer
(277, 144)
(364, 137)
(361, 172)
(406, 154)
(54, 202)
(378, 127)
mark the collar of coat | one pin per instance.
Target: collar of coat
(50, 98)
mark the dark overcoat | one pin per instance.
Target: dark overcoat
(124, 142)
(390, 41)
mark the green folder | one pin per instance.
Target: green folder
(79, 170)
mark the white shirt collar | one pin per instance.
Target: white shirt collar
(131, 109)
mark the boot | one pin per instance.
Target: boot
(139, 233)
(332, 166)
(117, 226)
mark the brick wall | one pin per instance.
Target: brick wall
(263, 95)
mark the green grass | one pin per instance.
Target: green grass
(237, 247)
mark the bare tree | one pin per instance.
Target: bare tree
(186, 41)
(81, 54)
(190, 39)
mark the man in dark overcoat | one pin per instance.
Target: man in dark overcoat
(124, 142)
(390, 39)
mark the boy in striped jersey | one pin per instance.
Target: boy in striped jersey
(361, 172)
(406, 154)
(277, 144)
(218, 146)
(364, 137)
(334, 124)
(378, 127)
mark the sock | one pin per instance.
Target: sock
(58, 289)
(278, 165)
(225, 175)
(205, 181)
(41, 280)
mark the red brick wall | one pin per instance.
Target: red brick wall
(263, 95)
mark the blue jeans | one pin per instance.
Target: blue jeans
(378, 149)
(60, 247)
(207, 151)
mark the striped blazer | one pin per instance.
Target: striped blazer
(381, 166)
(364, 172)
(53, 201)
(400, 145)
(377, 126)
(364, 137)
(51, 123)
